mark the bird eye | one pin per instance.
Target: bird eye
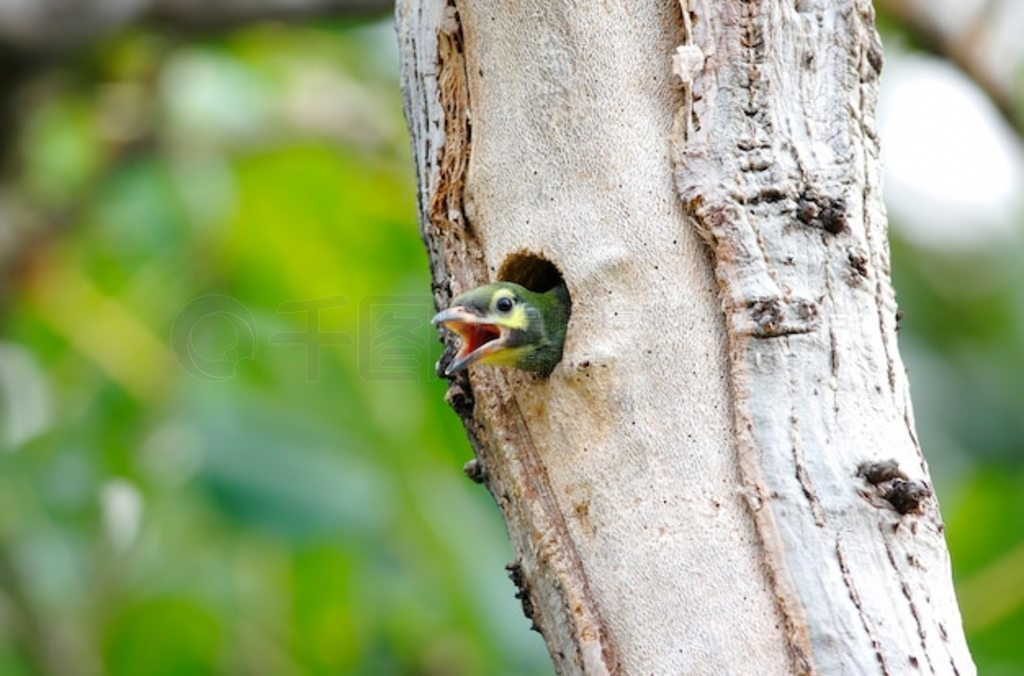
(504, 304)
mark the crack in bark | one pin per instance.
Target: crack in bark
(874, 248)
(908, 424)
(833, 347)
(802, 476)
(905, 588)
(833, 353)
(558, 549)
(866, 622)
(792, 612)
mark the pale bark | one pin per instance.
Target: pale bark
(687, 492)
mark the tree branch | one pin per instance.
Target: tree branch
(963, 47)
(48, 25)
(39, 646)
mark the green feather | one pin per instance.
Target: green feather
(545, 331)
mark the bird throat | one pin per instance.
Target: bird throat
(475, 336)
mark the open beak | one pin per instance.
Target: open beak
(479, 337)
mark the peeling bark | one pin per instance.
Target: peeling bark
(687, 492)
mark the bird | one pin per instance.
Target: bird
(506, 324)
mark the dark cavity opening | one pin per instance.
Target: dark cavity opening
(532, 271)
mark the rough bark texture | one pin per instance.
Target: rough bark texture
(779, 168)
(704, 484)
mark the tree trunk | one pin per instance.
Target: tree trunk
(722, 474)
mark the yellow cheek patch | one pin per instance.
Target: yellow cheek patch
(518, 318)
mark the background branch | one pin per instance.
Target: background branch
(47, 25)
(967, 44)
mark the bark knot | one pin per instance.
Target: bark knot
(857, 259)
(817, 210)
(893, 486)
(458, 396)
(475, 471)
(774, 317)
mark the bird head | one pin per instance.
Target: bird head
(506, 324)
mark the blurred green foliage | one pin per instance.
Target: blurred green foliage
(186, 488)
(255, 513)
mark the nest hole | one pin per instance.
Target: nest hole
(531, 271)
